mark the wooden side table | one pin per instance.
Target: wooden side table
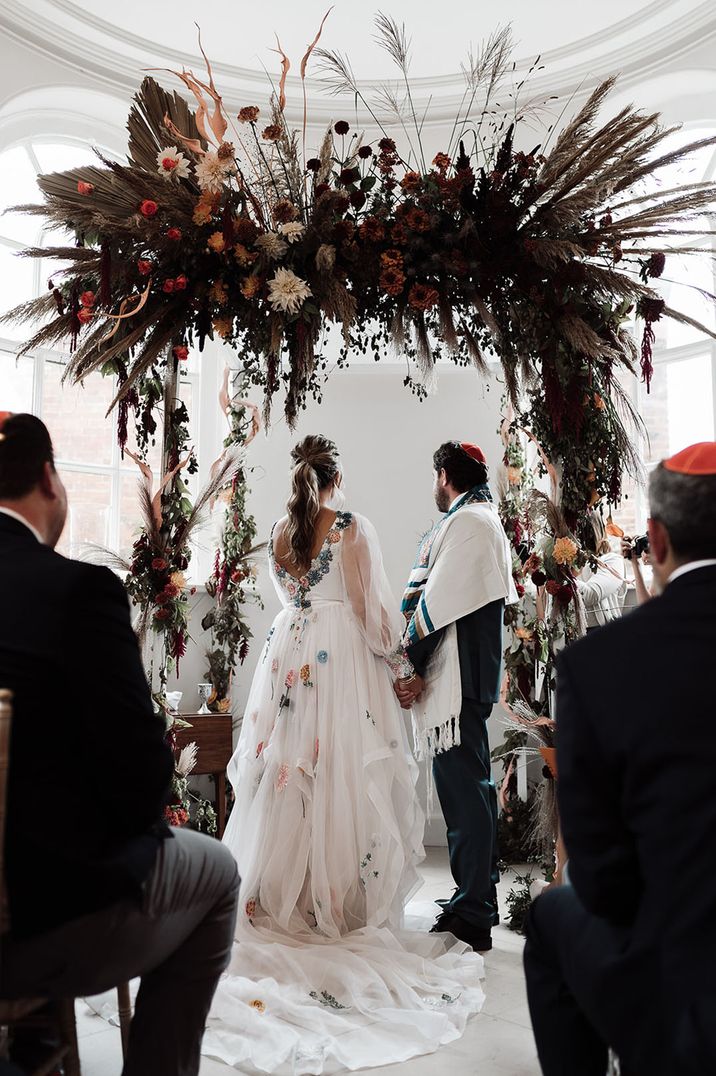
(212, 734)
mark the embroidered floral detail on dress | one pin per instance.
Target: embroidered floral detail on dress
(324, 998)
(258, 1005)
(259, 748)
(370, 718)
(290, 678)
(297, 589)
(282, 779)
(254, 717)
(274, 665)
(322, 657)
(306, 676)
(250, 908)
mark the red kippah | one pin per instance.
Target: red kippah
(474, 451)
(694, 460)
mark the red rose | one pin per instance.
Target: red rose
(162, 613)
(159, 564)
(553, 587)
(84, 188)
(168, 286)
(84, 315)
(181, 352)
(171, 590)
(144, 266)
(180, 282)
(173, 233)
(148, 208)
(87, 298)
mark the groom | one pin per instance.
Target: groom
(454, 604)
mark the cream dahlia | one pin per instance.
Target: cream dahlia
(272, 245)
(292, 230)
(287, 291)
(212, 171)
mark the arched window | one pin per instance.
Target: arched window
(680, 409)
(102, 487)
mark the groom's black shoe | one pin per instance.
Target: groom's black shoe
(451, 923)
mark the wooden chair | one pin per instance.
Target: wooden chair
(31, 1012)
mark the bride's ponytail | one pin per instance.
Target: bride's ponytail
(316, 464)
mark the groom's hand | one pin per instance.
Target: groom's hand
(409, 690)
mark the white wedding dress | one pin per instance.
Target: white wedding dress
(327, 831)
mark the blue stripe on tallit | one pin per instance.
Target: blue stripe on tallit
(413, 605)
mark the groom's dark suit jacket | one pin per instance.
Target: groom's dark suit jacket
(89, 769)
(636, 719)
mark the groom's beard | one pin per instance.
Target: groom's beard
(442, 500)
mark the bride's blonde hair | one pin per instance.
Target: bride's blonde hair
(316, 464)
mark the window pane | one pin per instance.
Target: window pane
(129, 515)
(16, 382)
(683, 275)
(18, 186)
(17, 287)
(75, 416)
(61, 156)
(88, 518)
(679, 410)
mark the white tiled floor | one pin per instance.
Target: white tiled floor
(497, 1042)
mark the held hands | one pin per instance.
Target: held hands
(409, 690)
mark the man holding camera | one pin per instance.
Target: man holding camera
(625, 957)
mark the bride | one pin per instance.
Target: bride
(326, 828)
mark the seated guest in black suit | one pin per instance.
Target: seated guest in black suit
(627, 957)
(100, 890)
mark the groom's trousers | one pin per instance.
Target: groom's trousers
(178, 939)
(469, 802)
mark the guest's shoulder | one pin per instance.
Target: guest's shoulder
(93, 580)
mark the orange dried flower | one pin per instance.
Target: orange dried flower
(272, 133)
(392, 280)
(411, 181)
(599, 402)
(565, 551)
(226, 151)
(248, 114)
(205, 208)
(422, 297)
(216, 242)
(372, 230)
(441, 161)
(244, 256)
(251, 287)
(417, 219)
(391, 259)
(218, 292)
(284, 211)
(223, 326)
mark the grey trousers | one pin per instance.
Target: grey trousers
(178, 939)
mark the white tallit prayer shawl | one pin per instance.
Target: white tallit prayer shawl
(464, 563)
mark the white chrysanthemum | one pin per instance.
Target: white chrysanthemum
(187, 759)
(287, 291)
(292, 231)
(272, 245)
(172, 162)
(211, 172)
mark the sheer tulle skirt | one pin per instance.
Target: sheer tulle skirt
(327, 832)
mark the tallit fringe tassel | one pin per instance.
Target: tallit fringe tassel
(431, 742)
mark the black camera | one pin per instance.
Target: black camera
(638, 546)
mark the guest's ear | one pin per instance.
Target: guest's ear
(48, 482)
(659, 541)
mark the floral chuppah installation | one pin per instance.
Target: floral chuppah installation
(222, 224)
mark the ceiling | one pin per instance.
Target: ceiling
(114, 41)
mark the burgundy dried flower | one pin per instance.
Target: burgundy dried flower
(341, 128)
(272, 133)
(313, 164)
(656, 264)
(386, 145)
(349, 175)
(364, 152)
(358, 199)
